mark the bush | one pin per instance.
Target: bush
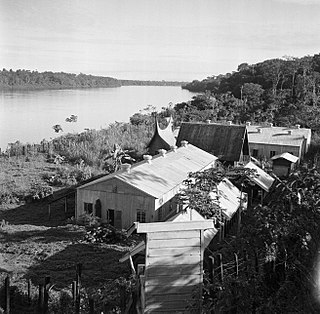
(39, 190)
(104, 234)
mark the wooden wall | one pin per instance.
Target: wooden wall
(173, 276)
(116, 195)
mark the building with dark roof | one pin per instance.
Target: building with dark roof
(229, 142)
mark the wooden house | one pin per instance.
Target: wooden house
(283, 164)
(228, 142)
(267, 141)
(162, 138)
(145, 191)
(173, 270)
(229, 199)
(262, 181)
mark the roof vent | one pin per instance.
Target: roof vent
(174, 148)
(229, 122)
(162, 152)
(289, 132)
(208, 121)
(259, 130)
(126, 168)
(298, 126)
(184, 143)
(147, 158)
(270, 125)
(248, 123)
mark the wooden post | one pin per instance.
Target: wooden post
(220, 265)
(7, 295)
(29, 291)
(212, 267)
(245, 258)
(46, 294)
(239, 220)
(122, 298)
(256, 261)
(49, 211)
(41, 299)
(74, 290)
(91, 306)
(236, 265)
(65, 206)
(78, 287)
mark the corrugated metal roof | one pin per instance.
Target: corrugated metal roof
(229, 197)
(225, 141)
(263, 179)
(286, 156)
(163, 173)
(278, 135)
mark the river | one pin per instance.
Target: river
(28, 116)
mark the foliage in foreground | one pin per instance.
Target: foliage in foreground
(278, 253)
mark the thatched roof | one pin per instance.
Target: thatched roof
(227, 142)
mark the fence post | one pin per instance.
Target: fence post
(78, 287)
(7, 295)
(41, 299)
(49, 211)
(91, 306)
(46, 294)
(29, 291)
(122, 298)
(245, 257)
(236, 265)
(74, 290)
(256, 261)
(220, 265)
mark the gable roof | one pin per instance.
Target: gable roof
(163, 173)
(291, 136)
(229, 197)
(286, 156)
(166, 135)
(263, 179)
(227, 142)
(182, 216)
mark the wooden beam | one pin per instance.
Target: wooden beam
(174, 226)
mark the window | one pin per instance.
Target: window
(141, 216)
(88, 208)
(255, 153)
(272, 153)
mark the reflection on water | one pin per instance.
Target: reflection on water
(28, 116)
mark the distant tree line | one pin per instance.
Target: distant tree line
(26, 79)
(283, 91)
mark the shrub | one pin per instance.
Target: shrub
(104, 234)
(39, 190)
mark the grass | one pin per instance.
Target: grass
(32, 246)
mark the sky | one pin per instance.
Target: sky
(154, 39)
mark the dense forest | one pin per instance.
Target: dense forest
(25, 79)
(283, 91)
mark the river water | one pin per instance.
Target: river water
(28, 116)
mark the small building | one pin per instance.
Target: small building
(263, 182)
(228, 142)
(173, 271)
(145, 191)
(283, 164)
(268, 140)
(162, 138)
